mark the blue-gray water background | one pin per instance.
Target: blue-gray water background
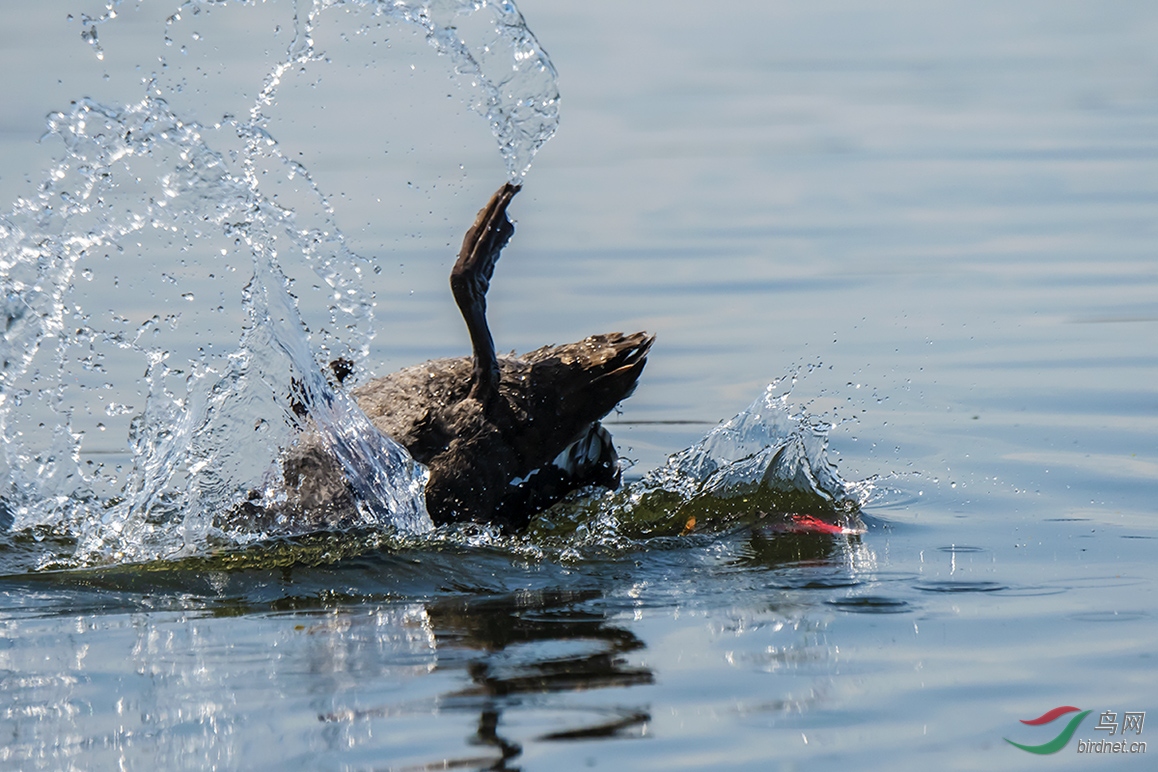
(942, 215)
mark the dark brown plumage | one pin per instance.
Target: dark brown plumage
(503, 437)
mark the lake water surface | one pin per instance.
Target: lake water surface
(933, 227)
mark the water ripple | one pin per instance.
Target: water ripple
(871, 604)
(958, 586)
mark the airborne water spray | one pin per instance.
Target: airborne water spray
(145, 202)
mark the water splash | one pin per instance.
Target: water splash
(510, 79)
(205, 424)
(769, 463)
(772, 447)
(153, 241)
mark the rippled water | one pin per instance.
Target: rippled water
(931, 227)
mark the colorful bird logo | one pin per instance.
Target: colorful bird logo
(1059, 742)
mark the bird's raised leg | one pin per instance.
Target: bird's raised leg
(469, 280)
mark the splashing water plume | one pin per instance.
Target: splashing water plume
(182, 204)
(509, 78)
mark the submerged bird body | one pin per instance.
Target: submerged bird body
(503, 438)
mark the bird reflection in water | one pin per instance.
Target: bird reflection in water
(518, 646)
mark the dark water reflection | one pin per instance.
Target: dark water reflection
(538, 643)
(512, 649)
